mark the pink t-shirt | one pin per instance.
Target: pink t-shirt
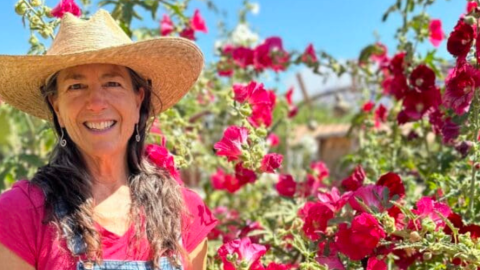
(22, 230)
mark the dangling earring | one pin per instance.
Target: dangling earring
(137, 137)
(63, 142)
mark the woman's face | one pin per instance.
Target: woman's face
(98, 107)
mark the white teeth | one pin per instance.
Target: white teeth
(99, 125)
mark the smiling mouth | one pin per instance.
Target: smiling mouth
(99, 126)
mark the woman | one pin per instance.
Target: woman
(99, 203)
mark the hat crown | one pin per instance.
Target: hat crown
(76, 35)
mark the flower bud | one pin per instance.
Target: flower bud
(33, 40)
(243, 265)
(388, 223)
(245, 111)
(35, 3)
(48, 12)
(415, 237)
(427, 256)
(471, 20)
(46, 32)
(428, 225)
(262, 132)
(21, 8)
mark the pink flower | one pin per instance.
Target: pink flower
(315, 216)
(417, 104)
(188, 33)
(286, 186)
(427, 207)
(397, 64)
(66, 6)
(460, 39)
(333, 199)
(327, 255)
(436, 32)
(355, 180)
(242, 56)
(460, 86)
(242, 92)
(277, 266)
(222, 181)
(263, 104)
(449, 131)
(231, 143)
(471, 6)
(309, 57)
(271, 162)
(370, 195)
(292, 109)
(320, 170)
(244, 175)
(225, 68)
(166, 25)
(198, 23)
(380, 53)
(246, 251)
(361, 238)
(270, 54)
(273, 140)
(380, 115)
(375, 264)
(161, 157)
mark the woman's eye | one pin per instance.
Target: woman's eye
(113, 84)
(75, 86)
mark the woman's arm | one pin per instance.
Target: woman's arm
(198, 257)
(10, 260)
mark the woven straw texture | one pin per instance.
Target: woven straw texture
(172, 64)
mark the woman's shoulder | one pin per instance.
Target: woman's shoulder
(23, 195)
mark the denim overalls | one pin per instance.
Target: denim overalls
(77, 245)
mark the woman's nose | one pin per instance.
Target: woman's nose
(97, 100)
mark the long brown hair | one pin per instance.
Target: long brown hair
(156, 196)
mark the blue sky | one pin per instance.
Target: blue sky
(341, 28)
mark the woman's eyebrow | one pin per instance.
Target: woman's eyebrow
(111, 74)
(73, 76)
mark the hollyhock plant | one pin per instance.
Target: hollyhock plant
(161, 157)
(198, 23)
(309, 56)
(355, 180)
(460, 86)
(363, 236)
(271, 162)
(246, 252)
(316, 216)
(231, 143)
(286, 185)
(166, 25)
(436, 32)
(66, 6)
(460, 40)
(270, 54)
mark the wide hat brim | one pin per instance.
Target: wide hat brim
(172, 64)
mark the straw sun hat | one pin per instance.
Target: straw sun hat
(172, 64)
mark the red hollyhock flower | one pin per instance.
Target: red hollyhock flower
(436, 32)
(249, 227)
(316, 217)
(370, 195)
(271, 162)
(436, 120)
(218, 179)
(380, 55)
(161, 157)
(417, 104)
(309, 57)
(460, 86)
(397, 64)
(450, 131)
(361, 238)
(198, 23)
(222, 181)
(394, 184)
(277, 266)
(368, 106)
(460, 39)
(471, 6)
(376, 264)
(270, 54)
(273, 140)
(66, 6)
(396, 86)
(166, 25)
(245, 250)
(242, 56)
(286, 186)
(422, 78)
(244, 175)
(355, 180)
(333, 199)
(381, 114)
(225, 68)
(327, 256)
(310, 186)
(292, 109)
(263, 104)
(188, 33)
(231, 143)
(427, 207)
